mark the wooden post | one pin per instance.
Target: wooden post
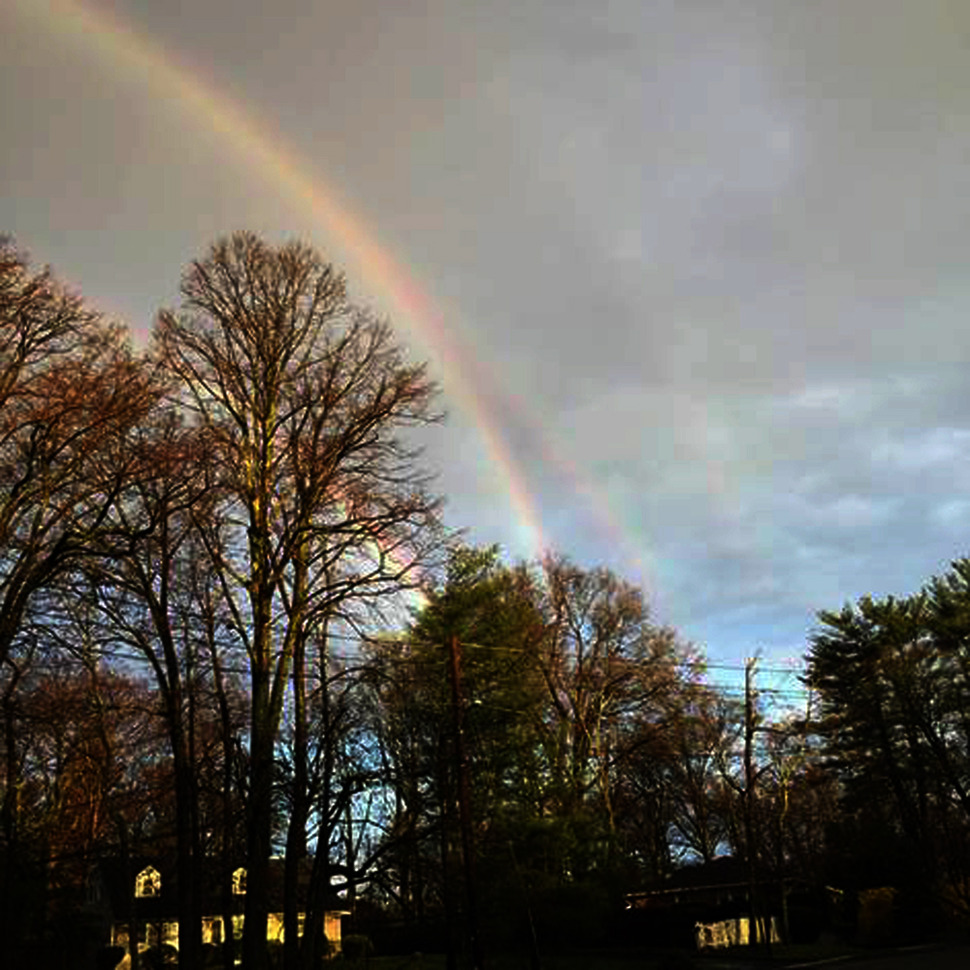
(464, 806)
(759, 927)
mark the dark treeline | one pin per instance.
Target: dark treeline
(206, 551)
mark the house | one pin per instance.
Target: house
(721, 882)
(143, 894)
(707, 905)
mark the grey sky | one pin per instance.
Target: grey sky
(713, 254)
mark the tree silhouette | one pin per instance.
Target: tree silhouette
(302, 397)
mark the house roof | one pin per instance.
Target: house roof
(118, 880)
(719, 879)
(723, 871)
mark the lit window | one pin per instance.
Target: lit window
(239, 882)
(148, 882)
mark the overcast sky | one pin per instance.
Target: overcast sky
(703, 263)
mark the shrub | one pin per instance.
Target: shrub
(876, 914)
(356, 947)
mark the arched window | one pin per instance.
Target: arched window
(239, 882)
(148, 882)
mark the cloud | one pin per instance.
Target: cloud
(713, 254)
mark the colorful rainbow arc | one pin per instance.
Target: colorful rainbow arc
(126, 50)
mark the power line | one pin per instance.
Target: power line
(360, 658)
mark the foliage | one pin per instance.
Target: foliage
(893, 687)
(566, 695)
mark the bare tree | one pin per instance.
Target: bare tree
(606, 666)
(304, 398)
(146, 590)
(80, 757)
(70, 395)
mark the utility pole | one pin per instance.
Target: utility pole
(756, 928)
(464, 806)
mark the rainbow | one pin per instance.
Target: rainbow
(130, 53)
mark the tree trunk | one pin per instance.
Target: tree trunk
(299, 813)
(313, 950)
(259, 823)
